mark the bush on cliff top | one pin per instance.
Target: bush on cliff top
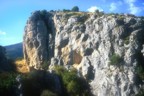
(75, 9)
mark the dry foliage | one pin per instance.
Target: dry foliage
(21, 66)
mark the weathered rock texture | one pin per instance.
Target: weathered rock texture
(87, 41)
(39, 39)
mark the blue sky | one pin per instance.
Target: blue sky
(14, 13)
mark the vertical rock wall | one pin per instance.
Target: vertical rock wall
(39, 39)
(89, 42)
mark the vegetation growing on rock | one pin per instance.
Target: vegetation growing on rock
(74, 85)
(126, 40)
(115, 59)
(7, 84)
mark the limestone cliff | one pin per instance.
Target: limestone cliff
(39, 39)
(105, 49)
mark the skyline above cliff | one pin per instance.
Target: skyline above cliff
(14, 14)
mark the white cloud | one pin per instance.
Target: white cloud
(113, 6)
(2, 33)
(93, 8)
(130, 1)
(133, 9)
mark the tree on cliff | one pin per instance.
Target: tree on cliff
(75, 9)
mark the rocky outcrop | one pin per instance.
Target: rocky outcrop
(104, 49)
(39, 39)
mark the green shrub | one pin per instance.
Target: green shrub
(140, 71)
(31, 84)
(75, 9)
(42, 83)
(73, 87)
(72, 83)
(7, 80)
(66, 10)
(60, 70)
(115, 59)
(45, 65)
(43, 13)
(7, 83)
(35, 82)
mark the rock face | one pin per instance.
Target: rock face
(105, 49)
(39, 39)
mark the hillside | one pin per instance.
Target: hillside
(14, 51)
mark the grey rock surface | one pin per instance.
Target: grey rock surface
(87, 42)
(38, 39)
